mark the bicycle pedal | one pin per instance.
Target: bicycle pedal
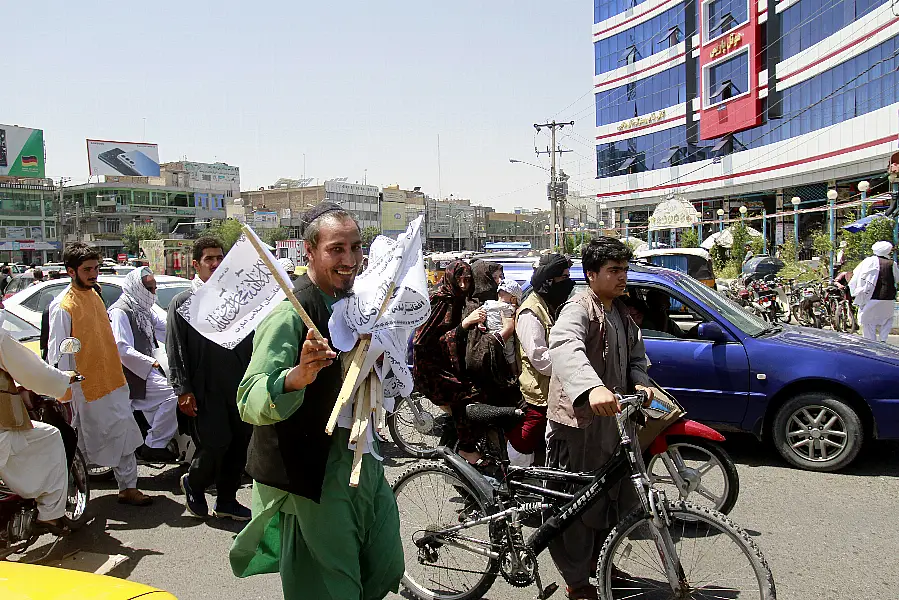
(548, 591)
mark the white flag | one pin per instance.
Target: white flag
(390, 261)
(238, 296)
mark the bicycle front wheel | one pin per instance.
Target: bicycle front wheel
(416, 425)
(442, 565)
(718, 558)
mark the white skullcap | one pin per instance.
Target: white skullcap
(510, 286)
(288, 265)
(882, 249)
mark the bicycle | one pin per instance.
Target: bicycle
(460, 528)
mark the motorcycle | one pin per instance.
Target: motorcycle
(18, 516)
(686, 455)
(767, 299)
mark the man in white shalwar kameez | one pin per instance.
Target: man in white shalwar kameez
(873, 287)
(108, 435)
(33, 460)
(139, 332)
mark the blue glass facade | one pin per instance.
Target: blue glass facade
(735, 71)
(809, 21)
(830, 97)
(605, 9)
(643, 96)
(640, 41)
(724, 15)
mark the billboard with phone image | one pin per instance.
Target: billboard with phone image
(133, 159)
(21, 151)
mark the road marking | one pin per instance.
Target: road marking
(90, 562)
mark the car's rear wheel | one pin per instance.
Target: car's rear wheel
(818, 431)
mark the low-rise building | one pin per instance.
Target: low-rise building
(290, 199)
(516, 227)
(28, 219)
(98, 213)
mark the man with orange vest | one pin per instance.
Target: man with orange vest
(108, 435)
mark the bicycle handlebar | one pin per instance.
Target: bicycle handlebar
(636, 399)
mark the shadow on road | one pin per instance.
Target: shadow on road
(877, 458)
(163, 511)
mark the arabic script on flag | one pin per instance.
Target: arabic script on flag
(238, 296)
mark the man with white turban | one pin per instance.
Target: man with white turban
(873, 286)
(289, 267)
(140, 334)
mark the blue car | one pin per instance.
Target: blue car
(816, 395)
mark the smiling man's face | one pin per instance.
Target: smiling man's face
(335, 260)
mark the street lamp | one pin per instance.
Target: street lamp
(743, 211)
(832, 195)
(863, 187)
(720, 213)
(796, 202)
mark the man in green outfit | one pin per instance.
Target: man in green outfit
(329, 541)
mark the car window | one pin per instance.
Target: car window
(19, 329)
(661, 314)
(110, 293)
(42, 299)
(164, 295)
(733, 312)
(18, 284)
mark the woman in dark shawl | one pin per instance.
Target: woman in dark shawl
(485, 362)
(438, 367)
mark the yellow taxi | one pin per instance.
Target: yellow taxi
(33, 582)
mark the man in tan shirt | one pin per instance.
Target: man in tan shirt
(596, 350)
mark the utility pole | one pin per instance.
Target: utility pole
(60, 231)
(553, 179)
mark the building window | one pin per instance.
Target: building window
(636, 42)
(807, 22)
(662, 90)
(723, 15)
(727, 79)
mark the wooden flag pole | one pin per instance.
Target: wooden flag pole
(266, 258)
(355, 369)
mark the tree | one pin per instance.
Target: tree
(689, 239)
(369, 234)
(227, 231)
(272, 236)
(134, 234)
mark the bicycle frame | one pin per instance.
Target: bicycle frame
(627, 459)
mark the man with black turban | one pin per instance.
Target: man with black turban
(552, 285)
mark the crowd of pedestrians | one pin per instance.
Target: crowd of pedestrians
(569, 356)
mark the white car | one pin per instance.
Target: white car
(30, 303)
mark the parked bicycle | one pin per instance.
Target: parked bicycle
(460, 528)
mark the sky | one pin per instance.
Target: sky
(362, 89)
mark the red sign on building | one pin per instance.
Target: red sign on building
(730, 60)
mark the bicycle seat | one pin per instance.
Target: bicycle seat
(493, 415)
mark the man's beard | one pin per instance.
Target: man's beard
(344, 293)
(80, 283)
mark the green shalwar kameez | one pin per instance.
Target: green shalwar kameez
(345, 548)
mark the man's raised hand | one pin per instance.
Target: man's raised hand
(315, 355)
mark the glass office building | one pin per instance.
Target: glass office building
(741, 102)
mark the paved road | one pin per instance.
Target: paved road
(825, 535)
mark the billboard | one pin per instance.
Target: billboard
(393, 218)
(21, 151)
(122, 158)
